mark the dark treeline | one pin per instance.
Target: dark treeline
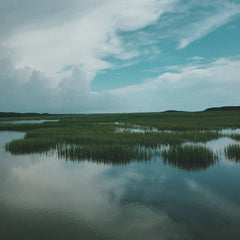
(31, 114)
(14, 114)
(227, 108)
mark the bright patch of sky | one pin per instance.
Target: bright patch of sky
(119, 56)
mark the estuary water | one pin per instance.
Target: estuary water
(43, 197)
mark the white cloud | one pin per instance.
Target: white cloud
(221, 70)
(192, 87)
(42, 45)
(195, 58)
(24, 89)
(58, 48)
(87, 38)
(202, 27)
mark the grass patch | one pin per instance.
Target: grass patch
(27, 146)
(101, 137)
(189, 157)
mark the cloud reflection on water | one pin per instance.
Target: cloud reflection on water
(135, 201)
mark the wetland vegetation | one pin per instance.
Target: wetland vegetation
(176, 171)
(189, 157)
(96, 137)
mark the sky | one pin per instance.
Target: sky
(101, 56)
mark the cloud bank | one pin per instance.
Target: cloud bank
(51, 52)
(191, 87)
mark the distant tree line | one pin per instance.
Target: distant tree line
(227, 108)
(14, 114)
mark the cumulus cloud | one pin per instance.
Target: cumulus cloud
(44, 39)
(24, 89)
(191, 87)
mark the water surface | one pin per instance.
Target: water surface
(43, 197)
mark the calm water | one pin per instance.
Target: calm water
(42, 197)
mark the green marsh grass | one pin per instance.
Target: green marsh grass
(94, 136)
(25, 127)
(179, 121)
(27, 146)
(232, 152)
(101, 142)
(189, 157)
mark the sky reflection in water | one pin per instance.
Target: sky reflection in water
(42, 197)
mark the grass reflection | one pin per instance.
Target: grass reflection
(190, 157)
(113, 154)
(232, 152)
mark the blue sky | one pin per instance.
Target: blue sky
(119, 56)
(221, 42)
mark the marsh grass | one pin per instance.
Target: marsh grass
(25, 127)
(189, 157)
(232, 152)
(28, 146)
(95, 136)
(179, 121)
(102, 137)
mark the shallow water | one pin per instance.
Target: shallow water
(139, 129)
(229, 131)
(42, 197)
